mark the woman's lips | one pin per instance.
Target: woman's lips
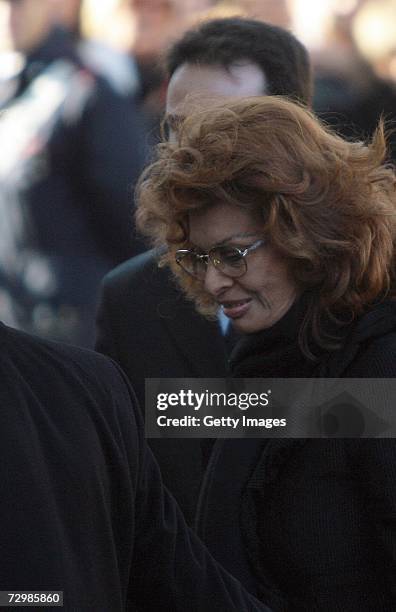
(235, 309)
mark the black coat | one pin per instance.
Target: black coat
(82, 505)
(145, 324)
(309, 525)
(72, 149)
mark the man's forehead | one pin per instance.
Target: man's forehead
(213, 82)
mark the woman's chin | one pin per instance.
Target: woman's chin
(250, 324)
(247, 325)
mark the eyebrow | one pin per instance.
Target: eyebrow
(235, 237)
(230, 239)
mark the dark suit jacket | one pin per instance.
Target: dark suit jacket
(148, 327)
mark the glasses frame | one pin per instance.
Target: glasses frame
(210, 256)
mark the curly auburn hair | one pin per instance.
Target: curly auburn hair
(327, 205)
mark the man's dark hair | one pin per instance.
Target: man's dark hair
(282, 58)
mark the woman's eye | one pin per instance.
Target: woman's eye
(231, 256)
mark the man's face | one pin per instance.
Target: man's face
(29, 22)
(196, 86)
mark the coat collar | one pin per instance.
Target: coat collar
(188, 330)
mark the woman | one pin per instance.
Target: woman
(291, 231)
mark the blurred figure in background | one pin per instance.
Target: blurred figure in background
(275, 12)
(349, 94)
(68, 14)
(116, 65)
(72, 150)
(158, 23)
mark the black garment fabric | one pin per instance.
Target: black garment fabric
(72, 149)
(147, 326)
(353, 101)
(82, 505)
(275, 351)
(314, 520)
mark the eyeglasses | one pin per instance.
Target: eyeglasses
(230, 260)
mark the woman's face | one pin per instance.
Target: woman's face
(265, 292)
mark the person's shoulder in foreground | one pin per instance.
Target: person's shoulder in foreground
(69, 483)
(83, 509)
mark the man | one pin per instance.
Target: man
(82, 508)
(144, 322)
(71, 149)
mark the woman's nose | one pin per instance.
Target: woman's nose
(216, 281)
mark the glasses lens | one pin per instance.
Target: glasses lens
(191, 263)
(229, 260)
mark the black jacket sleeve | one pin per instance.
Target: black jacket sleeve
(172, 570)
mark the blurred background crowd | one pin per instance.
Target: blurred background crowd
(60, 235)
(352, 42)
